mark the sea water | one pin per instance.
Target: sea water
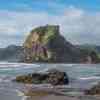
(82, 76)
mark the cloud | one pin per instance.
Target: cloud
(82, 27)
(77, 25)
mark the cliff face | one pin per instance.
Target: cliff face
(45, 44)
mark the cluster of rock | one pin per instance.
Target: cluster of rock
(95, 90)
(53, 77)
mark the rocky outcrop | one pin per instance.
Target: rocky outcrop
(90, 54)
(53, 77)
(95, 90)
(56, 77)
(45, 44)
(91, 58)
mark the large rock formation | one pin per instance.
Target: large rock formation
(45, 44)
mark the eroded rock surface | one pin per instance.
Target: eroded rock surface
(46, 44)
(53, 77)
(95, 90)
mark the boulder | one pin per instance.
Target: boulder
(56, 77)
(34, 78)
(53, 77)
(24, 79)
(95, 90)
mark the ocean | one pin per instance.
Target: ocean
(82, 76)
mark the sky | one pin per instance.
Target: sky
(79, 20)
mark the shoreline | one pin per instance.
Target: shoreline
(58, 97)
(82, 78)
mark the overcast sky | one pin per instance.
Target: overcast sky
(79, 20)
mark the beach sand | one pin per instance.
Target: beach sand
(53, 97)
(9, 95)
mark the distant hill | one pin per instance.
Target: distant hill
(11, 53)
(89, 47)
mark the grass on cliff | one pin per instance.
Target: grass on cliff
(46, 34)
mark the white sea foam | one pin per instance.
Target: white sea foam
(6, 64)
(89, 78)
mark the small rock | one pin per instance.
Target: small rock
(95, 90)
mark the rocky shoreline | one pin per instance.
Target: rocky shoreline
(55, 89)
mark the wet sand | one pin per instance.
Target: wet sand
(7, 94)
(53, 97)
(11, 94)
